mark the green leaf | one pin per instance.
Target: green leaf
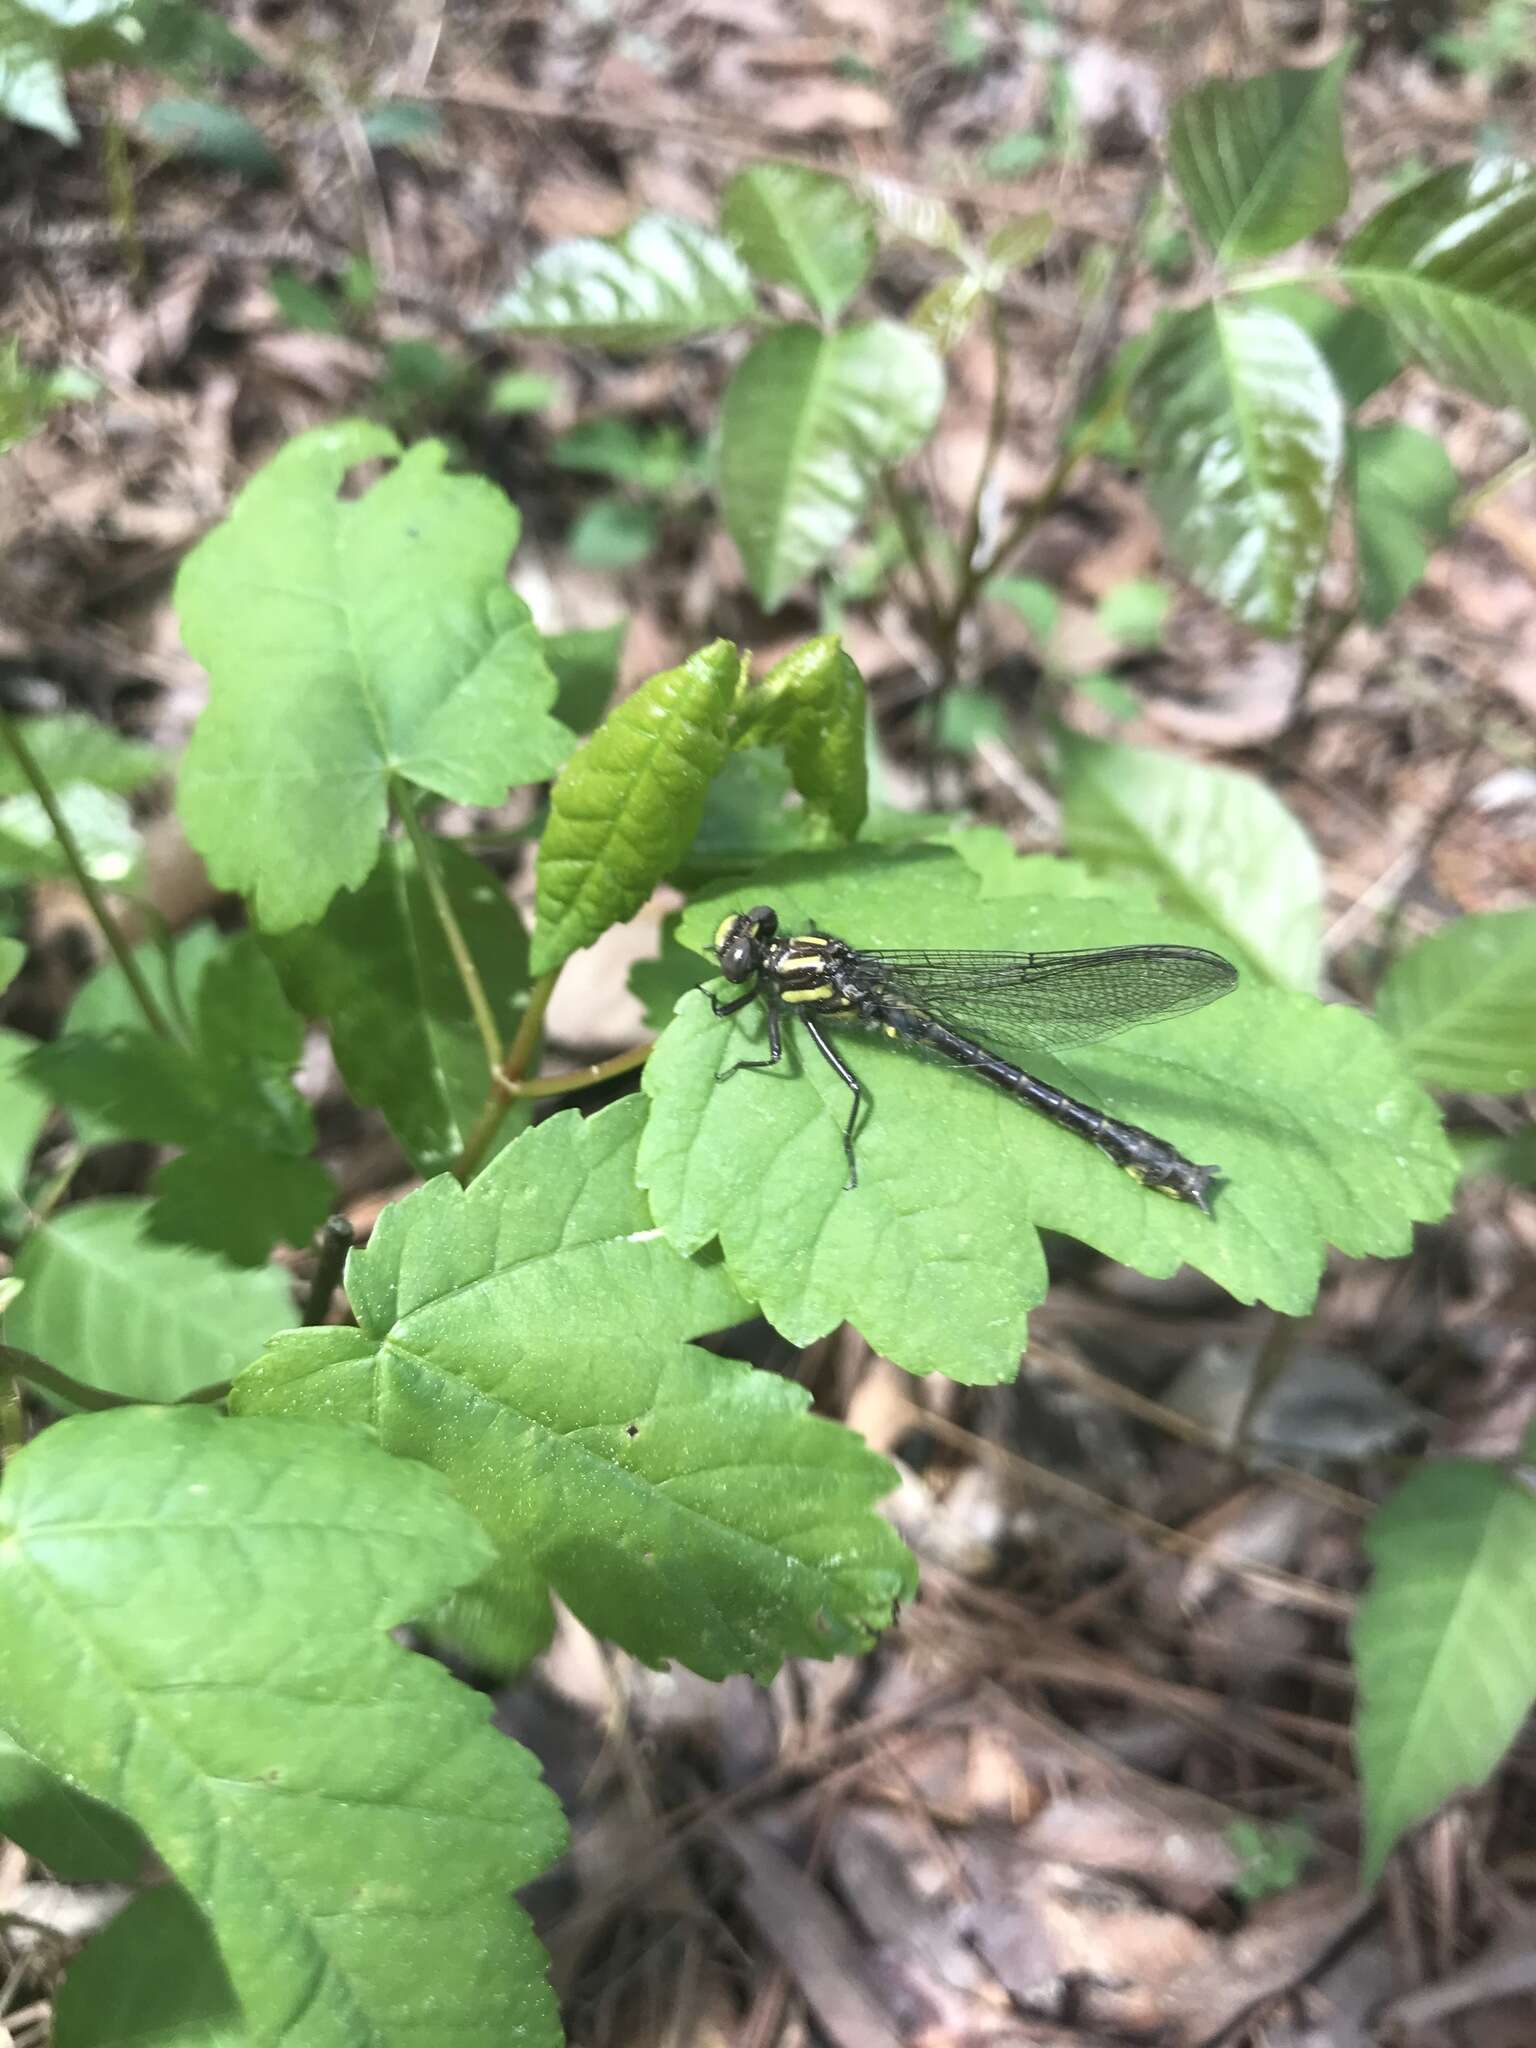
(212, 134)
(305, 305)
(196, 1614)
(28, 396)
(41, 40)
(24, 1110)
(72, 749)
(1320, 1135)
(1444, 1641)
(661, 280)
(102, 825)
(377, 971)
(629, 801)
(812, 705)
(748, 817)
(809, 420)
(348, 640)
(1357, 346)
(402, 124)
(1135, 612)
(1260, 161)
(522, 391)
(585, 662)
(1035, 602)
(12, 954)
(910, 215)
(615, 534)
(190, 43)
(152, 1978)
(239, 1203)
(1447, 265)
(1242, 431)
(803, 228)
(946, 312)
(1014, 245)
(1462, 1003)
(1215, 844)
(111, 1307)
(682, 1505)
(1404, 488)
(81, 1841)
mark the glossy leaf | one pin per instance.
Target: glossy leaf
(1445, 1642)
(628, 802)
(661, 280)
(1320, 1135)
(1260, 161)
(349, 640)
(1447, 264)
(152, 1978)
(1461, 1004)
(806, 229)
(1216, 845)
(196, 1614)
(1241, 429)
(1356, 345)
(808, 422)
(812, 705)
(1403, 487)
(107, 1304)
(682, 1505)
(377, 972)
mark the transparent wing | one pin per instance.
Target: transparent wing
(1050, 999)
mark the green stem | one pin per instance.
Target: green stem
(997, 426)
(506, 1074)
(1029, 517)
(89, 888)
(24, 1366)
(458, 945)
(1472, 503)
(916, 550)
(580, 1077)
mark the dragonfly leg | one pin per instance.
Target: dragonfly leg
(729, 1009)
(775, 1040)
(850, 1081)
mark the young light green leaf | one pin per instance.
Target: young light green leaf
(812, 705)
(946, 312)
(1242, 431)
(681, 1504)
(1216, 845)
(585, 661)
(1403, 487)
(807, 229)
(23, 1111)
(909, 215)
(1320, 1135)
(1260, 161)
(1445, 1642)
(81, 1841)
(1015, 244)
(113, 1308)
(808, 422)
(349, 640)
(748, 818)
(629, 801)
(377, 971)
(196, 1612)
(1462, 1003)
(1357, 346)
(152, 1978)
(661, 280)
(1446, 264)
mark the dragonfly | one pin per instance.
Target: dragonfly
(948, 1003)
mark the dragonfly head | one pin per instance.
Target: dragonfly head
(743, 940)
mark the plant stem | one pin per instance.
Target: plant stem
(24, 1366)
(458, 945)
(997, 424)
(1468, 506)
(916, 550)
(581, 1077)
(336, 1239)
(505, 1076)
(1028, 518)
(89, 888)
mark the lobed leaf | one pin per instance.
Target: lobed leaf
(812, 705)
(661, 280)
(1320, 1135)
(1259, 162)
(1241, 428)
(682, 1505)
(1403, 488)
(804, 228)
(196, 1614)
(349, 640)
(808, 422)
(1461, 1004)
(1447, 264)
(627, 804)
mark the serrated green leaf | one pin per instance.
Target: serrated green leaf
(23, 1112)
(73, 748)
(195, 1613)
(808, 422)
(1447, 265)
(80, 1840)
(807, 229)
(111, 1307)
(212, 134)
(661, 280)
(152, 1978)
(103, 829)
(349, 640)
(377, 971)
(1403, 487)
(627, 804)
(1241, 428)
(1461, 1004)
(1216, 845)
(1320, 1135)
(238, 1203)
(1357, 346)
(812, 705)
(586, 668)
(1444, 1641)
(1260, 161)
(682, 1505)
